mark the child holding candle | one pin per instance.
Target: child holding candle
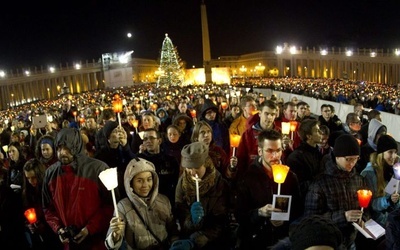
(143, 210)
(202, 222)
(378, 173)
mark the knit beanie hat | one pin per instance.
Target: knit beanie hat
(315, 230)
(194, 155)
(386, 142)
(108, 128)
(346, 145)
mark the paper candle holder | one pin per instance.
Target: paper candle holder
(30, 215)
(285, 128)
(280, 172)
(364, 197)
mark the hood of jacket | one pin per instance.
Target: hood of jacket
(72, 139)
(373, 128)
(208, 104)
(136, 166)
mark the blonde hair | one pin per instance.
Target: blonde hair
(378, 162)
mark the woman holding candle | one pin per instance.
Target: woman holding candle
(378, 173)
(41, 236)
(202, 222)
(145, 216)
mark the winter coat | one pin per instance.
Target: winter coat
(38, 151)
(74, 194)
(155, 210)
(305, 162)
(332, 194)
(255, 190)
(116, 157)
(219, 129)
(213, 191)
(368, 148)
(393, 230)
(380, 206)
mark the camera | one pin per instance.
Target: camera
(69, 232)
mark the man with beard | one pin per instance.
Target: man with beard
(255, 196)
(76, 204)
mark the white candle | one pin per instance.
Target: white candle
(279, 189)
(197, 188)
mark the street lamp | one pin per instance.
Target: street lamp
(260, 68)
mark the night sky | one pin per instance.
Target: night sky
(38, 33)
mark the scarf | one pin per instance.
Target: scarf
(206, 183)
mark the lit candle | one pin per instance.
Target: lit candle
(285, 128)
(279, 171)
(74, 113)
(364, 197)
(224, 105)
(197, 188)
(30, 215)
(193, 113)
(117, 107)
(396, 171)
(135, 124)
(293, 126)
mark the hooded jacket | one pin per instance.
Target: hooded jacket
(155, 210)
(74, 194)
(374, 127)
(219, 130)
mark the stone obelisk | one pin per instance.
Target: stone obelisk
(206, 43)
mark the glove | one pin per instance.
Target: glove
(197, 212)
(182, 245)
(117, 227)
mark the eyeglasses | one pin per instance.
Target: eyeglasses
(352, 159)
(152, 138)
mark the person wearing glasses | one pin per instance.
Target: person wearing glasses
(167, 167)
(255, 196)
(334, 193)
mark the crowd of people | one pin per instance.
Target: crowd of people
(183, 183)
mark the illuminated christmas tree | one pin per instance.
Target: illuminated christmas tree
(170, 72)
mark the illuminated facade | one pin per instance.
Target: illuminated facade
(362, 64)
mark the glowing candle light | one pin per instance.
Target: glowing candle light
(75, 114)
(135, 124)
(279, 172)
(193, 113)
(224, 105)
(293, 126)
(396, 171)
(364, 197)
(117, 107)
(30, 215)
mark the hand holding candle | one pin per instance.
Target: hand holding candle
(364, 197)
